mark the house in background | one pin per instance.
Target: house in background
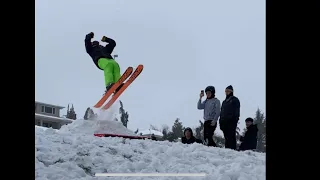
(149, 132)
(48, 115)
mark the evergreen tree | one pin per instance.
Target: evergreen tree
(136, 131)
(238, 131)
(124, 115)
(171, 136)
(71, 114)
(165, 131)
(261, 124)
(238, 135)
(153, 127)
(177, 130)
(198, 130)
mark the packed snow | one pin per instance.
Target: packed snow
(74, 153)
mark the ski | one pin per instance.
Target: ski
(135, 74)
(124, 76)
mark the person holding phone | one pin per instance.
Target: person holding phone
(211, 113)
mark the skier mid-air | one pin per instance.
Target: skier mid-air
(102, 58)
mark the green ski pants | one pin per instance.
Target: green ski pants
(111, 70)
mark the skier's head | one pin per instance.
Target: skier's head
(249, 121)
(95, 43)
(229, 91)
(188, 133)
(210, 92)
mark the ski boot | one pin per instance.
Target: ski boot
(118, 88)
(108, 87)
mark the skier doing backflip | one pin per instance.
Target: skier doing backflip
(101, 56)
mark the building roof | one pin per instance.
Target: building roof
(60, 107)
(52, 118)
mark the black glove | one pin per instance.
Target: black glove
(91, 34)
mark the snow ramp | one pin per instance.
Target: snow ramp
(90, 127)
(73, 153)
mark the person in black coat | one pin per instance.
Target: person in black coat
(249, 140)
(189, 138)
(229, 117)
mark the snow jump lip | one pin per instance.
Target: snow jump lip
(123, 136)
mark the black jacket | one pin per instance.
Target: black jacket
(249, 141)
(230, 109)
(184, 140)
(97, 52)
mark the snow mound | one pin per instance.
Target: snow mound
(73, 153)
(90, 127)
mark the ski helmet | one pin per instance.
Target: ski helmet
(211, 89)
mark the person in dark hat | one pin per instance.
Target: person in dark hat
(249, 140)
(189, 138)
(229, 117)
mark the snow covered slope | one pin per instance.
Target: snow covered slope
(74, 153)
(89, 127)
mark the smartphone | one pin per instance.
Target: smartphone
(202, 91)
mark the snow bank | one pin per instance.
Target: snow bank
(74, 153)
(89, 127)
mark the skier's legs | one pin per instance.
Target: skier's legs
(107, 66)
(116, 71)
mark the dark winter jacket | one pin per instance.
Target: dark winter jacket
(249, 141)
(230, 109)
(97, 52)
(192, 139)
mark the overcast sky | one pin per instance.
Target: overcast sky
(184, 45)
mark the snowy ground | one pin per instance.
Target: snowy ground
(74, 153)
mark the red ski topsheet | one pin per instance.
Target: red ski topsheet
(124, 76)
(134, 75)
